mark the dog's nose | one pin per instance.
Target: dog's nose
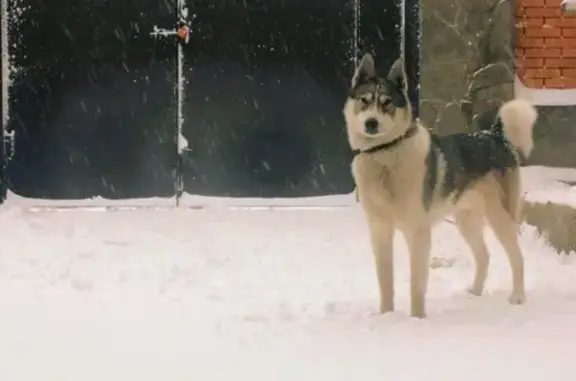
(371, 126)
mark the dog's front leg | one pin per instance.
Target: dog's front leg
(382, 233)
(418, 240)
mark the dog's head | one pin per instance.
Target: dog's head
(377, 108)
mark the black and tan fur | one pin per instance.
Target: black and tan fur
(408, 178)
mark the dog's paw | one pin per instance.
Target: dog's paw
(418, 315)
(386, 305)
(475, 291)
(517, 298)
(385, 309)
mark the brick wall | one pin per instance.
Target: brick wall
(545, 45)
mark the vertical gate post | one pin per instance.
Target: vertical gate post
(4, 83)
(411, 10)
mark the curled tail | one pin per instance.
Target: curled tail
(518, 118)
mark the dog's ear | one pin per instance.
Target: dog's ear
(366, 70)
(397, 75)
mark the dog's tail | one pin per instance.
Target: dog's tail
(518, 118)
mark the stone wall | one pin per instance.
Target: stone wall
(466, 61)
(555, 137)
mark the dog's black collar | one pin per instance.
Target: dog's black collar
(388, 145)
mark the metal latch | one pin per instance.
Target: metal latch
(182, 32)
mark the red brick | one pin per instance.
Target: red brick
(569, 83)
(531, 22)
(569, 73)
(560, 42)
(542, 73)
(554, 83)
(541, 12)
(569, 52)
(561, 22)
(560, 63)
(569, 32)
(533, 83)
(560, 83)
(533, 3)
(551, 3)
(520, 72)
(531, 63)
(544, 31)
(530, 43)
(545, 53)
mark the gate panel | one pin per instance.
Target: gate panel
(92, 99)
(412, 51)
(264, 96)
(3, 92)
(265, 88)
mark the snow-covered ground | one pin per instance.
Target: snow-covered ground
(284, 294)
(543, 184)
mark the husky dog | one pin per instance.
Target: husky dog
(408, 178)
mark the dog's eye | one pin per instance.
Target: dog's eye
(366, 99)
(386, 102)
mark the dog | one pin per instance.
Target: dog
(408, 178)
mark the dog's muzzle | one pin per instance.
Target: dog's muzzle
(371, 126)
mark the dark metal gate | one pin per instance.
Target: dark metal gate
(92, 100)
(100, 104)
(264, 91)
(4, 69)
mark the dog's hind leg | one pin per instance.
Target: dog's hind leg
(418, 238)
(470, 224)
(505, 228)
(381, 236)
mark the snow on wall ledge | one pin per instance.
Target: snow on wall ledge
(545, 97)
(556, 185)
